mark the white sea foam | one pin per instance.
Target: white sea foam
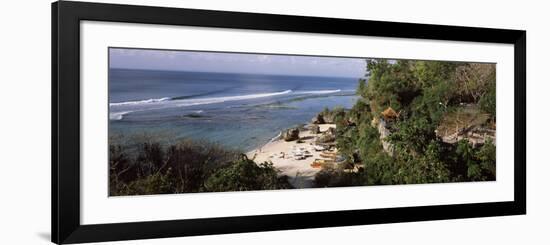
(227, 98)
(118, 115)
(138, 102)
(118, 110)
(319, 91)
(276, 137)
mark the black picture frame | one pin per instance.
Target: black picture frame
(66, 17)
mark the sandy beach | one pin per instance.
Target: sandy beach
(279, 152)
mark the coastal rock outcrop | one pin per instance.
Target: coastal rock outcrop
(329, 116)
(319, 119)
(467, 123)
(291, 134)
(315, 129)
(384, 133)
(331, 131)
(328, 136)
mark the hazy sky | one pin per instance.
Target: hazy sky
(236, 63)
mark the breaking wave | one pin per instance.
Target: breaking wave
(139, 102)
(119, 109)
(319, 91)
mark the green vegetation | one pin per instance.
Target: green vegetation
(186, 166)
(414, 122)
(431, 100)
(245, 175)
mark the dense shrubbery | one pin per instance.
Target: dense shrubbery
(331, 116)
(245, 175)
(422, 92)
(185, 166)
(335, 177)
(477, 164)
(424, 96)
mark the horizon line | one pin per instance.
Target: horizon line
(247, 73)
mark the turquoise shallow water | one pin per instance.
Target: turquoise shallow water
(240, 111)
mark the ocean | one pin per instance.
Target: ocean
(240, 111)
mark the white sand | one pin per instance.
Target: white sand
(300, 173)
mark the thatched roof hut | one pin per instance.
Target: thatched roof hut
(389, 113)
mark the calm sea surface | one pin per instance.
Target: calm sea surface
(241, 111)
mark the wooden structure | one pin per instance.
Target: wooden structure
(390, 114)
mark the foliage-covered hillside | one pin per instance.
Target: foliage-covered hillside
(186, 166)
(414, 122)
(419, 122)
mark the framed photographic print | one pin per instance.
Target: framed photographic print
(176, 122)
